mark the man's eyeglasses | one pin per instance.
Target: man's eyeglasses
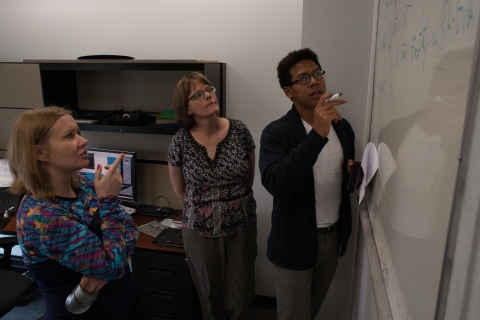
(305, 78)
(201, 93)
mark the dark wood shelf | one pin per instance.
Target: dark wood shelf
(151, 128)
(62, 82)
(123, 66)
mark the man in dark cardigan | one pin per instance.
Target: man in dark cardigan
(305, 160)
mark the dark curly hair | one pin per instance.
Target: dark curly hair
(283, 68)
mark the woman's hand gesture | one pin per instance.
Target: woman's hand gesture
(111, 182)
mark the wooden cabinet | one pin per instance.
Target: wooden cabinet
(163, 286)
(20, 90)
(145, 85)
(105, 85)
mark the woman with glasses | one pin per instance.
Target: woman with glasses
(211, 165)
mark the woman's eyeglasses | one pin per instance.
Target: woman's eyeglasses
(201, 93)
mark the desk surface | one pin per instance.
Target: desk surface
(144, 241)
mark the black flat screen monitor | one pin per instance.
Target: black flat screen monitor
(127, 168)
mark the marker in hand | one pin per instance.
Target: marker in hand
(335, 97)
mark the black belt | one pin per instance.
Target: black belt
(327, 230)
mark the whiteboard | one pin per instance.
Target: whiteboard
(423, 61)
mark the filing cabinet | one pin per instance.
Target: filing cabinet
(163, 286)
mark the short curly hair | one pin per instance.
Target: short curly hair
(284, 66)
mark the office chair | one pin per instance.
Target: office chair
(14, 286)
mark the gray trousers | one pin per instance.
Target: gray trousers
(223, 270)
(301, 293)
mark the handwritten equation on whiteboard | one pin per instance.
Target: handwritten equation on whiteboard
(423, 61)
(424, 42)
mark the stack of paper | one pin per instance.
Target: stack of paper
(153, 228)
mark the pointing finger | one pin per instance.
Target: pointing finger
(116, 163)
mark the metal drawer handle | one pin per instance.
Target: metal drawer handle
(161, 295)
(166, 271)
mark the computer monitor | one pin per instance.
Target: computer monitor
(127, 169)
(6, 177)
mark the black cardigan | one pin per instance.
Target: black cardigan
(287, 156)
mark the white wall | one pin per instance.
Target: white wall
(340, 32)
(250, 36)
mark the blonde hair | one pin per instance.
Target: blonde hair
(180, 96)
(31, 130)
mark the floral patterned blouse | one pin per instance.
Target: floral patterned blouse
(218, 199)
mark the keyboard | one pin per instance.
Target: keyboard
(157, 211)
(7, 197)
(8, 201)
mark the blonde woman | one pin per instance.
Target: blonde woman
(70, 229)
